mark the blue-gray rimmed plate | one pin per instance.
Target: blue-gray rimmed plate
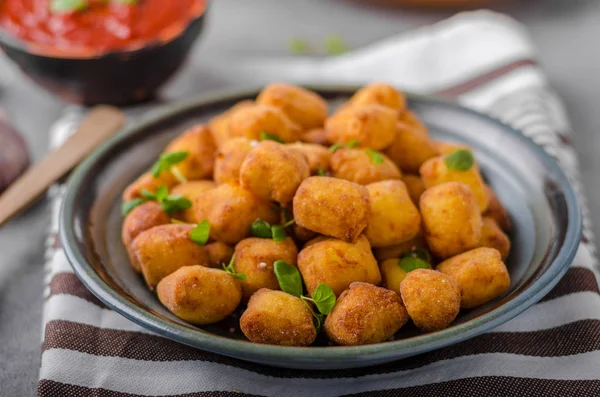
(542, 203)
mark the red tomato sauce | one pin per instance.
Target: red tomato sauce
(104, 26)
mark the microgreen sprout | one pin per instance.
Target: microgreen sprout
(278, 233)
(290, 281)
(352, 143)
(128, 206)
(263, 229)
(201, 233)
(417, 258)
(375, 156)
(267, 136)
(230, 269)
(70, 6)
(170, 203)
(335, 147)
(67, 6)
(460, 160)
(260, 228)
(167, 163)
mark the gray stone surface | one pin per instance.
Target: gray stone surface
(566, 33)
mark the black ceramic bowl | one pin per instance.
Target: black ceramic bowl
(537, 194)
(117, 78)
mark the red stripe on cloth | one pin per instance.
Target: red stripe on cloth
(478, 81)
(569, 339)
(50, 388)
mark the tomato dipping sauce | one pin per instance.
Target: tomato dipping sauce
(102, 26)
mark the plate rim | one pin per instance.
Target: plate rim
(303, 357)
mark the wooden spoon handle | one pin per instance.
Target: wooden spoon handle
(99, 124)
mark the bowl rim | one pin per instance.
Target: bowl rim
(330, 354)
(15, 43)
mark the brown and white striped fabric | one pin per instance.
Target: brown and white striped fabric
(553, 349)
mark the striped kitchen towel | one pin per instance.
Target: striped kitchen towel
(487, 62)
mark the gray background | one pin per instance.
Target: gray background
(566, 33)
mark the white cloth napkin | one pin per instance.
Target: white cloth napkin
(487, 62)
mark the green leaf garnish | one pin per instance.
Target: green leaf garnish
(260, 228)
(318, 320)
(175, 203)
(423, 254)
(278, 232)
(170, 203)
(353, 143)
(128, 206)
(201, 233)
(290, 281)
(335, 45)
(156, 169)
(127, 2)
(229, 269)
(67, 6)
(161, 193)
(321, 172)
(174, 157)
(148, 195)
(288, 277)
(418, 253)
(334, 148)
(288, 223)
(324, 298)
(298, 46)
(460, 160)
(241, 276)
(178, 175)
(266, 136)
(410, 263)
(165, 163)
(318, 317)
(376, 157)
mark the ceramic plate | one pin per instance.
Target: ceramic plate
(543, 206)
